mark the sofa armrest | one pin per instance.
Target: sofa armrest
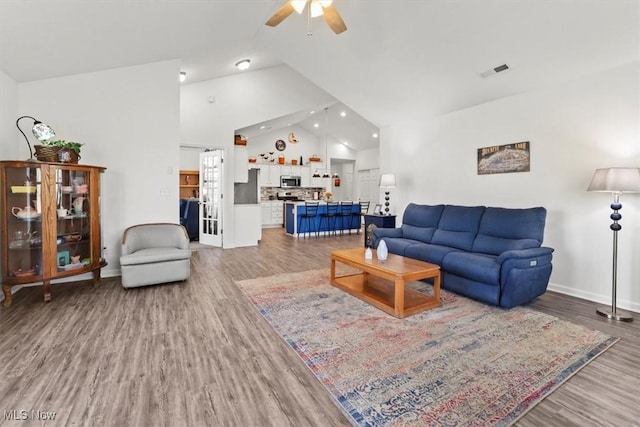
(533, 254)
(524, 275)
(381, 233)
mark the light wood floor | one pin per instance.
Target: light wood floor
(198, 353)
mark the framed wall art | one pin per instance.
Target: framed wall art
(504, 158)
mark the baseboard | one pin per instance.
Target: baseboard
(605, 300)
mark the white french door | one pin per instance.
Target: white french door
(210, 213)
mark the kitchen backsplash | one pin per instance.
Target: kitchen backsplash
(271, 193)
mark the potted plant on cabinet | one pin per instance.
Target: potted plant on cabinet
(59, 150)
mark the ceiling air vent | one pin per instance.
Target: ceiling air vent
(494, 71)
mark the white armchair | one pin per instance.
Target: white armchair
(155, 253)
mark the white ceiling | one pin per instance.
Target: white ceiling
(399, 60)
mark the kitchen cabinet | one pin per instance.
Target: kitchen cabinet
(241, 158)
(305, 176)
(277, 214)
(272, 213)
(50, 214)
(269, 176)
(189, 184)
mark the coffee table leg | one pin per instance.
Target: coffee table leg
(399, 298)
(436, 288)
(333, 270)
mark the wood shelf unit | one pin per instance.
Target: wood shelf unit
(189, 183)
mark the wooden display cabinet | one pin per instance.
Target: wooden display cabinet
(50, 215)
(189, 184)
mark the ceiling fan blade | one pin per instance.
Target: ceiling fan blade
(286, 10)
(333, 19)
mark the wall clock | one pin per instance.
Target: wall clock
(280, 145)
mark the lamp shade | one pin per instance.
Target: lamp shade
(616, 180)
(387, 180)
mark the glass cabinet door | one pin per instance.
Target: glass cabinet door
(73, 214)
(23, 224)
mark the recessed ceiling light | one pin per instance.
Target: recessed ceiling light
(183, 76)
(243, 64)
(343, 114)
(263, 127)
(316, 125)
(375, 135)
(312, 112)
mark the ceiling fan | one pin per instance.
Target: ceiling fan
(315, 8)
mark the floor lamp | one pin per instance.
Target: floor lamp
(615, 181)
(387, 181)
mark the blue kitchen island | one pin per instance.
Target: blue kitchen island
(293, 209)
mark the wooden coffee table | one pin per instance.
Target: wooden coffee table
(372, 284)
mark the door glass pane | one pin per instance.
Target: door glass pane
(24, 221)
(73, 225)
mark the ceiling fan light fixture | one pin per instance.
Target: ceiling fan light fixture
(298, 5)
(316, 8)
(243, 64)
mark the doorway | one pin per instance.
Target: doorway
(205, 215)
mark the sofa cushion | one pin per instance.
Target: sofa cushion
(479, 267)
(425, 216)
(428, 252)
(420, 234)
(458, 226)
(151, 255)
(503, 230)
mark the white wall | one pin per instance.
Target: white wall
(368, 159)
(573, 129)
(128, 119)
(241, 100)
(9, 134)
(190, 158)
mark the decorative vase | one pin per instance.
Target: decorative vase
(368, 253)
(382, 251)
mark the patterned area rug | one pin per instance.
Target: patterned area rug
(462, 364)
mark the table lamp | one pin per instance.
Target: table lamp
(41, 131)
(387, 181)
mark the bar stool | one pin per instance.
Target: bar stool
(364, 209)
(309, 216)
(346, 211)
(330, 217)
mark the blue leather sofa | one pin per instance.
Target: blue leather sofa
(189, 217)
(493, 255)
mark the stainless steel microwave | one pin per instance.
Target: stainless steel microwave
(288, 181)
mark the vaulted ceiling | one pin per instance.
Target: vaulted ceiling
(399, 60)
